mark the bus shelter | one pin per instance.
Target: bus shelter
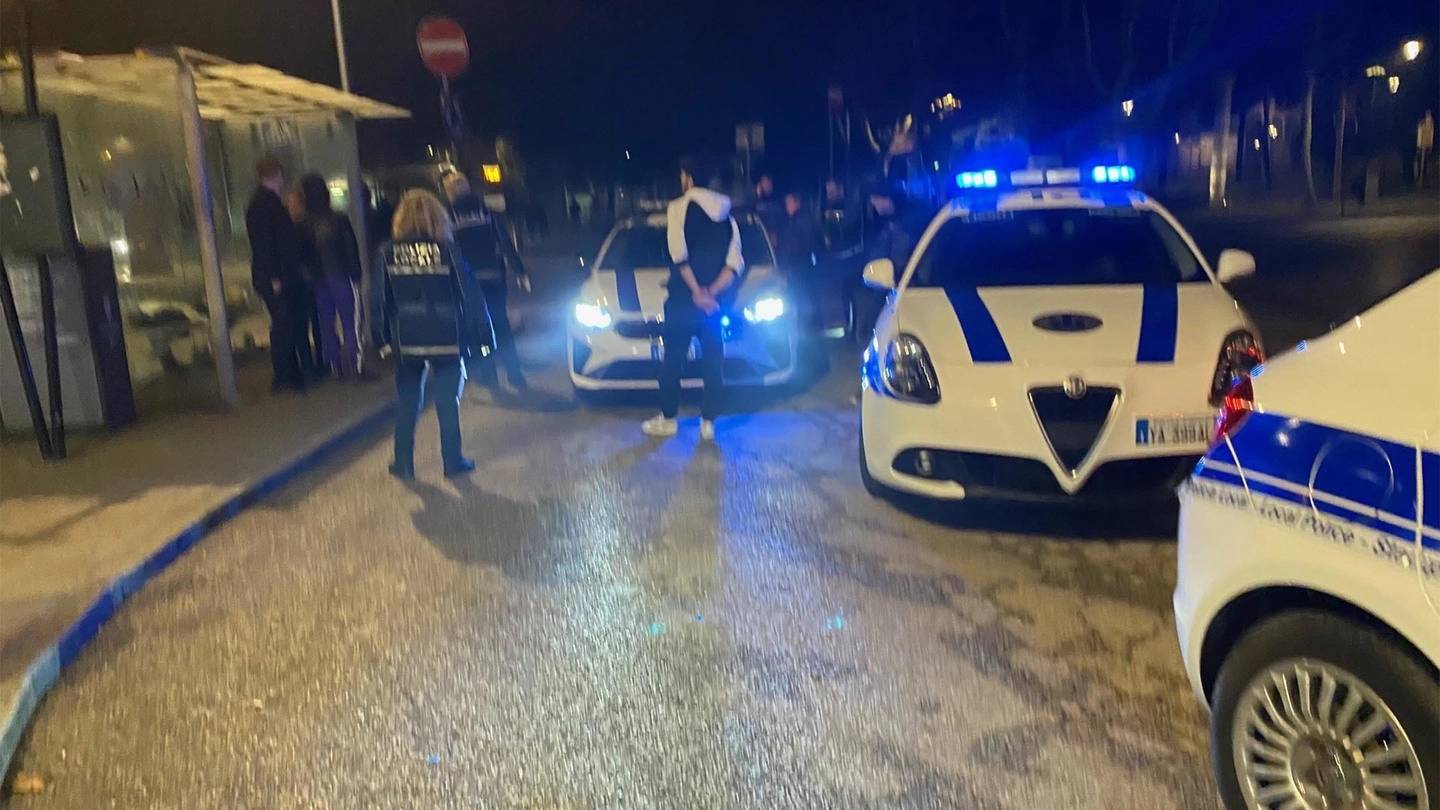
(159, 148)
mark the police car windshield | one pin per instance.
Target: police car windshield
(646, 247)
(1056, 247)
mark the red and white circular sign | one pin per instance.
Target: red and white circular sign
(443, 47)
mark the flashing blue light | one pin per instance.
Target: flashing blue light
(1113, 174)
(988, 178)
(724, 320)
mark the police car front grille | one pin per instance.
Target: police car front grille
(1072, 425)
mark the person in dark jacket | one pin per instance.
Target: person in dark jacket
(334, 269)
(704, 244)
(430, 323)
(797, 250)
(485, 243)
(275, 271)
(891, 233)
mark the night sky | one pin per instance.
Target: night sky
(581, 81)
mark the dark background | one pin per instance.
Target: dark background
(581, 81)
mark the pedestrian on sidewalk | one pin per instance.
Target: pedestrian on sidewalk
(429, 323)
(275, 272)
(704, 244)
(334, 259)
(485, 244)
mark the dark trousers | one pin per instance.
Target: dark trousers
(311, 359)
(411, 377)
(289, 334)
(683, 321)
(336, 300)
(506, 355)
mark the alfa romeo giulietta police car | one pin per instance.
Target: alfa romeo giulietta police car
(1056, 335)
(615, 327)
(1308, 595)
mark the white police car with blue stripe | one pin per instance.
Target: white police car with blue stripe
(1050, 339)
(615, 328)
(1308, 592)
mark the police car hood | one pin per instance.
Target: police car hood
(1071, 326)
(641, 291)
(1378, 373)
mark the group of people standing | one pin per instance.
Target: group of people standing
(822, 253)
(305, 266)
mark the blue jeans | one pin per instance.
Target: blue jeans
(411, 377)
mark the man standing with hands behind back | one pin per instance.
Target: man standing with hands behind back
(704, 244)
(275, 273)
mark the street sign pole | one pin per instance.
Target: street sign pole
(445, 50)
(340, 45)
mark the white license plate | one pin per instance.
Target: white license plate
(1173, 430)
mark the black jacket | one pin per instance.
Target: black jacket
(797, 241)
(428, 303)
(274, 242)
(701, 234)
(484, 241)
(328, 247)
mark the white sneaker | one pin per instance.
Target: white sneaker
(707, 430)
(659, 427)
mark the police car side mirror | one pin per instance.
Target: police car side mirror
(880, 274)
(1235, 264)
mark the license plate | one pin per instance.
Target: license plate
(1173, 430)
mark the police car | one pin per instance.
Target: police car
(1055, 336)
(1309, 570)
(616, 321)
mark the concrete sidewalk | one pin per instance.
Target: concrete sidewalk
(77, 536)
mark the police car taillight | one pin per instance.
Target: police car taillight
(1237, 404)
(1239, 355)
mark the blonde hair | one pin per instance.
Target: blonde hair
(456, 185)
(421, 214)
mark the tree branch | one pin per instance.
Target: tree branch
(1090, 66)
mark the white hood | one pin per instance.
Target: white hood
(1181, 324)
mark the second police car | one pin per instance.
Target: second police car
(1056, 335)
(1308, 591)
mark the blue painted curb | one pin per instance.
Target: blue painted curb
(45, 670)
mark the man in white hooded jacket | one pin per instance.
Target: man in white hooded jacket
(706, 264)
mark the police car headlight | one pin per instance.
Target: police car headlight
(766, 309)
(592, 316)
(908, 373)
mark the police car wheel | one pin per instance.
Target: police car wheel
(1313, 710)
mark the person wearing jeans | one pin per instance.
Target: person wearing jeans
(704, 244)
(333, 255)
(428, 321)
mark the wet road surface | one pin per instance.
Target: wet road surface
(599, 620)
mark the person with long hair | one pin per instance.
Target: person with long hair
(429, 324)
(334, 257)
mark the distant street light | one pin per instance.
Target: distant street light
(1375, 71)
(627, 154)
(1394, 85)
(1411, 50)
(1128, 105)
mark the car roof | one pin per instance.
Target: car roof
(657, 220)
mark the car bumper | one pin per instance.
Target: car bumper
(983, 451)
(755, 355)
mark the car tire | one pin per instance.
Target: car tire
(1406, 686)
(874, 488)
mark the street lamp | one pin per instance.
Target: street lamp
(1411, 50)
(1128, 105)
(1394, 85)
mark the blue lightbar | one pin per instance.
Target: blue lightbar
(1113, 174)
(988, 178)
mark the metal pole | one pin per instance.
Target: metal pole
(205, 229)
(50, 336)
(340, 45)
(22, 362)
(27, 62)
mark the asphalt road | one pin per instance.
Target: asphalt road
(599, 620)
